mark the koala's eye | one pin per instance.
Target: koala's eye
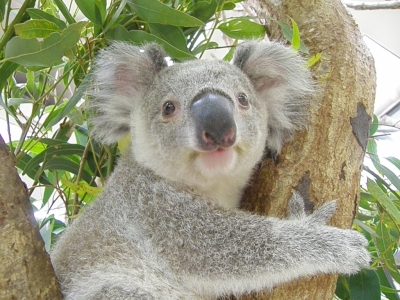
(243, 101)
(168, 109)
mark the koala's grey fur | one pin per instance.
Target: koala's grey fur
(166, 225)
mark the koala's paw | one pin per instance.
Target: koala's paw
(346, 250)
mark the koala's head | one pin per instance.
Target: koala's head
(199, 120)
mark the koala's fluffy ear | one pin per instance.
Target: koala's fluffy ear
(121, 75)
(282, 80)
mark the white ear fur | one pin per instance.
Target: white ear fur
(282, 80)
(121, 75)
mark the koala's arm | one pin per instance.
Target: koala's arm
(218, 252)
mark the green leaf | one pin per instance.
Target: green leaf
(6, 70)
(390, 175)
(361, 286)
(2, 9)
(386, 287)
(64, 10)
(365, 285)
(203, 47)
(70, 105)
(33, 172)
(288, 35)
(383, 200)
(170, 33)
(295, 36)
(139, 37)
(374, 126)
(18, 101)
(342, 288)
(385, 247)
(75, 115)
(35, 13)
(242, 28)
(94, 10)
(395, 161)
(52, 152)
(66, 165)
(203, 10)
(35, 29)
(314, 59)
(153, 11)
(231, 52)
(365, 227)
(31, 52)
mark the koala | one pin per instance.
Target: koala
(167, 225)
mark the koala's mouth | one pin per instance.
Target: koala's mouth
(221, 160)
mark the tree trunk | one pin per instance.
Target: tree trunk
(25, 268)
(324, 162)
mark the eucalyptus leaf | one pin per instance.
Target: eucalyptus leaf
(139, 37)
(18, 101)
(52, 152)
(94, 10)
(374, 126)
(35, 13)
(385, 246)
(35, 29)
(34, 170)
(172, 34)
(384, 200)
(203, 10)
(154, 11)
(203, 47)
(32, 52)
(67, 165)
(242, 28)
(64, 11)
(295, 42)
(2, 9)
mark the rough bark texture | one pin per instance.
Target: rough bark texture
(25, 268)
(323, 163)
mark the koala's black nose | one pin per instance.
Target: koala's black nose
(214, 122)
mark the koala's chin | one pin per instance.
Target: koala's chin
(217, 162)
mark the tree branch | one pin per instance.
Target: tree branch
(373, 5)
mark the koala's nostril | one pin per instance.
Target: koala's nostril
(226, 140)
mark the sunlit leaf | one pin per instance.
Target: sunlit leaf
(385, 246)
(295, 42)
(94, 10)
(242, 28)
(52, 152)
(35, 29)
(384, 200)
(32, 52)
(35, 13)
(64, 10)
(172, 34)
(314, 59)
(67, 165)
(374, 126)
(154, 11)
(139, 37)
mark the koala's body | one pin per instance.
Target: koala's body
(167, 224)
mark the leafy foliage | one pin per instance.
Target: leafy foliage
(379, 220)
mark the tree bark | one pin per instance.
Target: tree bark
(25, 268)
(324, 162)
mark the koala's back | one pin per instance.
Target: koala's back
(107, 254)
